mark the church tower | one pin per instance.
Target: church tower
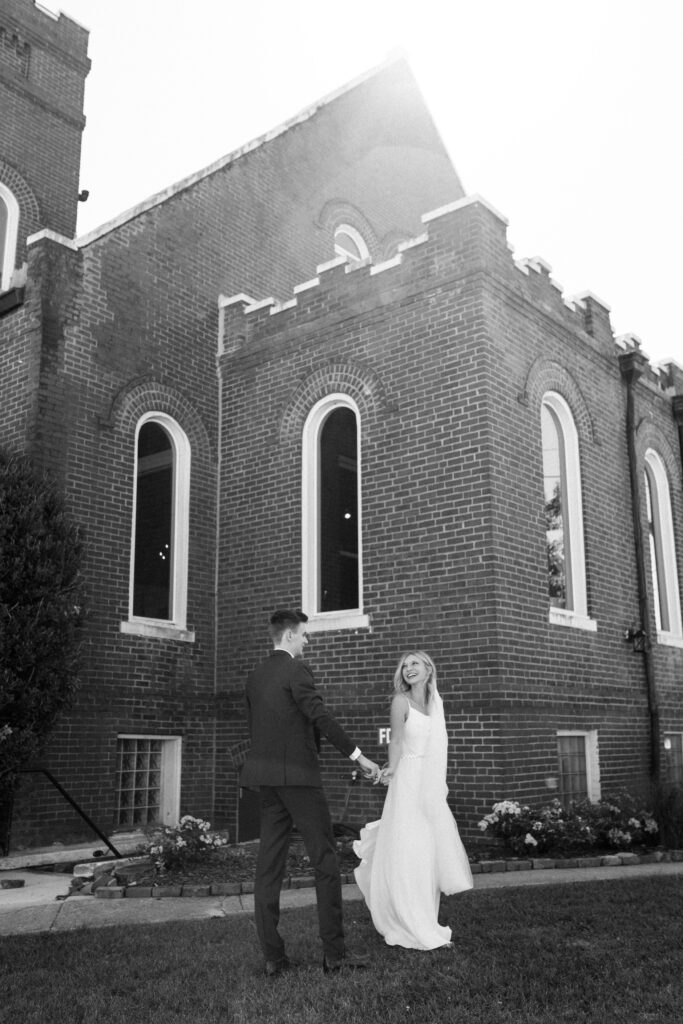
(43, 67)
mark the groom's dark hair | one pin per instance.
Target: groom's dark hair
(285, 618)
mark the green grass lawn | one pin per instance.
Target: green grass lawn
(608, 952)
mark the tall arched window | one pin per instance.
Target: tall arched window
(662, 548)
(9, 224)
(331, 537)
(563, 514)
(159, 548)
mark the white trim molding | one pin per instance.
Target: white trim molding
(663, 552)
(175, 626)
(576, 612)
(592, 753)
(8, 253)
(351, 618)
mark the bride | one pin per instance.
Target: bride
(414, 852)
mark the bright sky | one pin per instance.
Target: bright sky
(566, 116)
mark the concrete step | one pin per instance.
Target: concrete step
(126, 843)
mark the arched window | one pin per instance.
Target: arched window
(563, 514)
(350, 243)
(9, 223)
(331, 538)
(159, 548)
(662, 548)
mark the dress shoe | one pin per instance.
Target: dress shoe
(348, 962)
(272, 968)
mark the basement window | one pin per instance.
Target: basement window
(578, 765)
(147, 781)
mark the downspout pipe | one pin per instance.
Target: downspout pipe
(631, 365)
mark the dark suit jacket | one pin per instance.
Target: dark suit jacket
(285, 714)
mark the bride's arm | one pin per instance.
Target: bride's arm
(399, 713)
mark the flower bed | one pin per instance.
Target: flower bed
(611, 825)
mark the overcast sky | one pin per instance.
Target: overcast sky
(566, 116)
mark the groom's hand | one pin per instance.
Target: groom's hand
(369, 768)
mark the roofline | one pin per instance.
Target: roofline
(304, 115)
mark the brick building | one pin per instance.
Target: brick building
(419, 441)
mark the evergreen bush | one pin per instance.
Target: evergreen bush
(41, 612)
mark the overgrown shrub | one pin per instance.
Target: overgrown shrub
(615, 823)
(41, 613)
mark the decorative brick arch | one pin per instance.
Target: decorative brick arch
(545, 375)
(30, 216)
(648, 436)
(337, 212)
(145, 394)
(360, 383)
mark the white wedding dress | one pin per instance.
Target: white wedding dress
(414, 852)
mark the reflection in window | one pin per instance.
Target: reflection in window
(563, 513)
(153, 524)
(673, 757)
(573, 776)
(338, 550)
(553, 461)
(662, 546)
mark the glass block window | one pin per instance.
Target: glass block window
(578, 766)
(147, 776)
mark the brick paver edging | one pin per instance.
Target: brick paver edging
(113, 892)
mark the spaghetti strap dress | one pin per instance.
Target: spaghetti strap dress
(414, 852)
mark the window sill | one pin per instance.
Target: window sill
(166, 631)
(327, 621)
(563, 617)
(670, 639)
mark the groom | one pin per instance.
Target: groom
(286, 715)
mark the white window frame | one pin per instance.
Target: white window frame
(318, 621)
(668, 598)
(9, 252)
(572, 519)
(171, 769)
(671, 738)
(357, 238)
(176, 627)
(592, 759)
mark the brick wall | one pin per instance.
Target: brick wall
(447, 355)
(43, 67)
(125, 322)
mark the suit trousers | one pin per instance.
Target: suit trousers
(305, 807)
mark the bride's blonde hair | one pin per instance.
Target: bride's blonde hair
(401, 686)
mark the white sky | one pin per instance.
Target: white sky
(566, 116)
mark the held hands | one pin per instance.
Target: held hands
(374, 772)
(370, 769)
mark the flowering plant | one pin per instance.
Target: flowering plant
(616, 823)
(176, 846)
